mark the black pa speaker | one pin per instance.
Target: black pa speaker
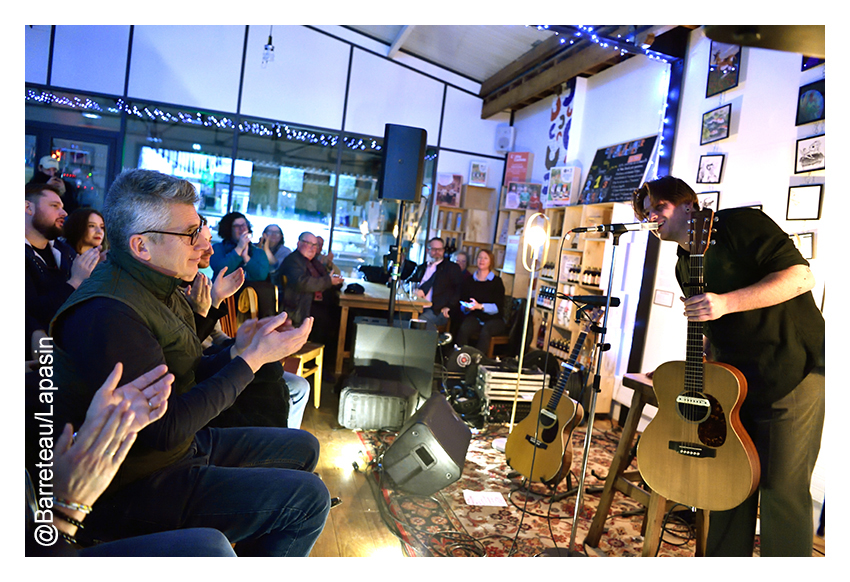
(403, 163)
(430, 449)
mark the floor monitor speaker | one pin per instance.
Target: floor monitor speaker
(403, 163)
(430, 449)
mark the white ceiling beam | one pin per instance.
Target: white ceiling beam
(399, 40)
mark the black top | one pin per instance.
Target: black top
(490, 291)
(774, 347)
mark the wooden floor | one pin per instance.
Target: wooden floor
(355, 528)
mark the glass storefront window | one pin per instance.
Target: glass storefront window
(192, 145)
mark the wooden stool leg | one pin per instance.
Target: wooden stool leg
(317, 379)
(702, 532)
(654, 518)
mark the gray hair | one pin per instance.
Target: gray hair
(141, 200)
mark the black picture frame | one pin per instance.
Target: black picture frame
(710, 169)
(715, 124)
(805, 243)
(709, 200)
(811, 103)
(804, 202)
(810, 154)
(724, 66)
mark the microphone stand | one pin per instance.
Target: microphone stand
(597, 378)
(396, 268)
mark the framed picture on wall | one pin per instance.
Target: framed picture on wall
(805, 242)
(724, 63)
(709, 200)
(710, 169)
(811, 154)
(478, 174)
(804, 202)
(715, 124)
(811, 102)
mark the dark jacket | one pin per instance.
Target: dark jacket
(446, 287)
(45, 288)
(300, 285)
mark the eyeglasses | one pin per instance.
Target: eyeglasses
(193, 236)
(309, 244)
(436, 248)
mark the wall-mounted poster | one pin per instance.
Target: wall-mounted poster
(523, 195)
(709, 201)
(448, 189)
(811, 154)
(617, 171)
(563, 186)
(478, 174)
(723, 67)
(811, 102)
(715, 124)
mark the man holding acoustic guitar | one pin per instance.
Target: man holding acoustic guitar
(755, 307)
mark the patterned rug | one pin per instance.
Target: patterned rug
(444, 524)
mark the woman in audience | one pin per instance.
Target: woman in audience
(85, 462)
(272, 243)
(84, 229)
(236, 249)
(482, 301)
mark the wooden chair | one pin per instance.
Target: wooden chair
(307, 362)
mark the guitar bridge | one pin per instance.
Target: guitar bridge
(692, 450)
(536, 442)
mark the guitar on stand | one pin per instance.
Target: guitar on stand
(539, 446)
(696, 451)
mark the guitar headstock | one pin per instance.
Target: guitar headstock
(700, 230)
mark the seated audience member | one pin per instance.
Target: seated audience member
(236, 249)
(271, 242)
(327, 259)
(482, 302)
(260, 405)
(255, 485)
(462, 260)
(439, 283)
(84, 464)
(305, 279)
(84, 229)
(52, 269)
(47, 172)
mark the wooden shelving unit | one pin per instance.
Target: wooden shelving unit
(469, 227)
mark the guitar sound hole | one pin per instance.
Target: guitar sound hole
(693, 406)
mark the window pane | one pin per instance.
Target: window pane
(193, 145)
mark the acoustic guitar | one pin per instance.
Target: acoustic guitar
(538, 447)
(696, 451)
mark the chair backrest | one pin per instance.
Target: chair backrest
(248, 302)
(229, 323)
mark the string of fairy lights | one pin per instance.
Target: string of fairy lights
(570, 35)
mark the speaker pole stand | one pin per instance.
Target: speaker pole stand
(396, 269)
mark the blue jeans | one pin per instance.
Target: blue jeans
(255, 485)
(433, 318)
(182, 543)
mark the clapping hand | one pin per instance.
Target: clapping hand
(226, 285)
(200, 294)
(148, 395)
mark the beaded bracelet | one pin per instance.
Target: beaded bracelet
(63, 516)
(72, 505)
(69, 538)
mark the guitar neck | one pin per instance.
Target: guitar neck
(694, 348)
(569, 367)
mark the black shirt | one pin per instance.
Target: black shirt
(774, 347)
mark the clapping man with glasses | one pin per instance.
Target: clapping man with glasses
(304, 278)
(255, 485)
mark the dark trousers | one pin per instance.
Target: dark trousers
(471, 325)
(255, 485)
(787, 436)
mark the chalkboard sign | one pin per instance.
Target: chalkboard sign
(617, 171)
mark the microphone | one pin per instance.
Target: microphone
(593, 300)
(618, 228)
